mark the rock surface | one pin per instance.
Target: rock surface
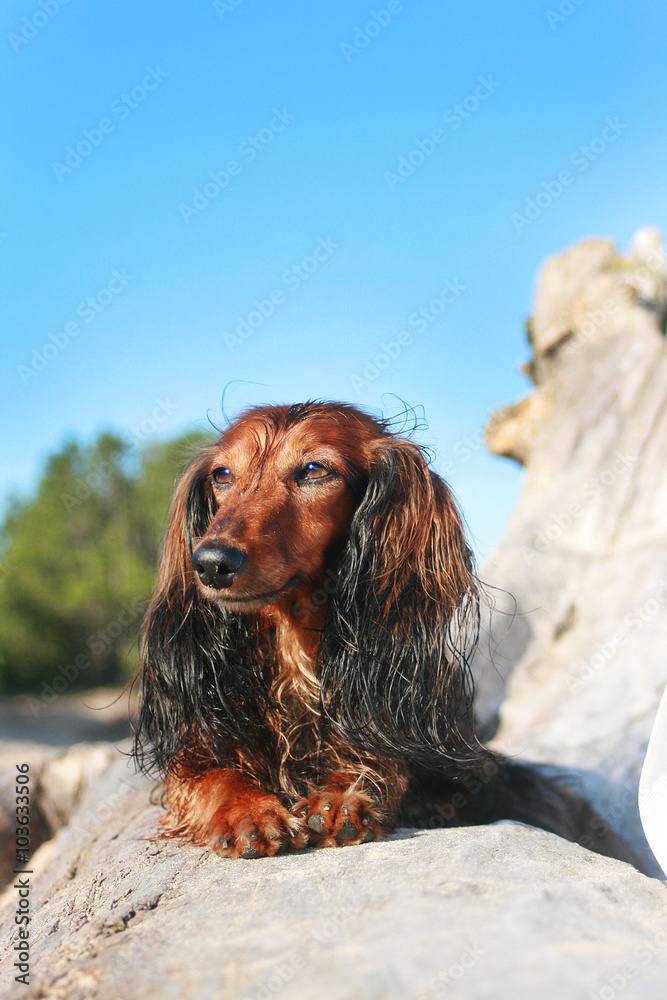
(58, 780)
(585, 553)
(503, 912)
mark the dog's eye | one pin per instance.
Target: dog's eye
(311, 472)
(222, 476)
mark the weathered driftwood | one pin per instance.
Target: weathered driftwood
(585, 553)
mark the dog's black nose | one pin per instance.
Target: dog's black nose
(217, 565)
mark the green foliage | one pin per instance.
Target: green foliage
(78, 561)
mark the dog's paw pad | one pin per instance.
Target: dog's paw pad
(337, 816)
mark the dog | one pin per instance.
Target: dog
(305, 674)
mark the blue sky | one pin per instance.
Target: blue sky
(301, 200)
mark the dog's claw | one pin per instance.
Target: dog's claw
(283, 845)
(316, 823)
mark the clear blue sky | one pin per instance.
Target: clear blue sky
(116, 114)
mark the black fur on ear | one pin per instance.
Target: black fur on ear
(403, 621)
(202, 694)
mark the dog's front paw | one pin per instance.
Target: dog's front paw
(337, 816)
(258, 828)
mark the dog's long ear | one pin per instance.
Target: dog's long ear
(404, 619)
(201, 688)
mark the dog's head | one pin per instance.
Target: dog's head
(316, 512)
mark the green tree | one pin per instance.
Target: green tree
(78, 561)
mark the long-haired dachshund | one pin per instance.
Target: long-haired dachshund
(305, 674)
